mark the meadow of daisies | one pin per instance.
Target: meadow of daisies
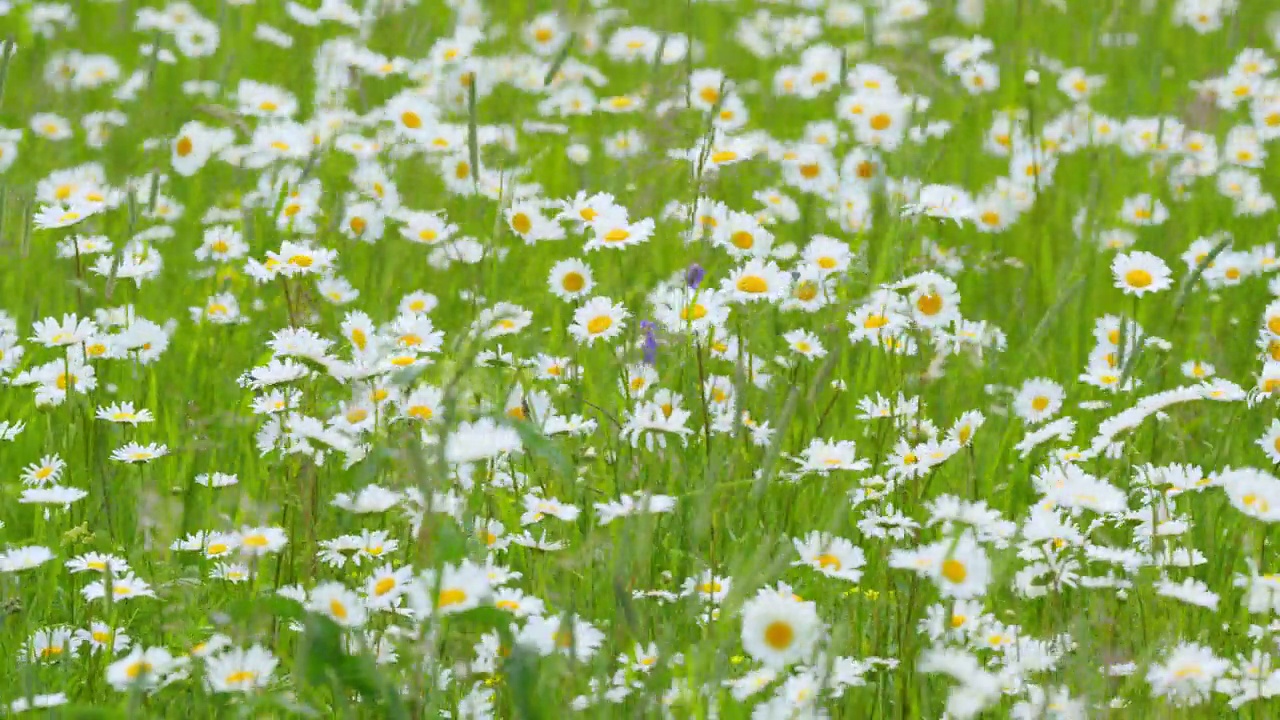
(639, 358)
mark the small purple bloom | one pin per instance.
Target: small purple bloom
(694, 275)
(650, 343)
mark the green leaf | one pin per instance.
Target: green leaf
(326, 661)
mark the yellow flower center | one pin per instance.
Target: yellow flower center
(779, 635)
(753, 284)
(599, 324)
(573, 282)
(521, 223)
(1138, 278)
(451, 596)
(954, 571)
(696, 311)
(337, 609)
(930, 304)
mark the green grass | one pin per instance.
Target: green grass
(1040, 282)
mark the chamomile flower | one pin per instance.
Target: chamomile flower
(832, 556)
(50, 126)
(779, 631)
(386, 585)
(454, 589)
(1139, 273)
(598, 319)
(46, 472)
(336, 602)
(124, 413)
(256, 541)
(570, 279)
(142, 668)
(124, 587)
(99, 563)
(755, 281)
(1270, 442)
(1144, 210)
(1038, 400)
(805, 344)
(615, 231)
(135, 453)
(240, 670)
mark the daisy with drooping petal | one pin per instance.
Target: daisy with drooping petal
(98, 562)
(615, 231)
(71, 330)
(135, 453)
(124, 413)
(124, 587)
(832, 556)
